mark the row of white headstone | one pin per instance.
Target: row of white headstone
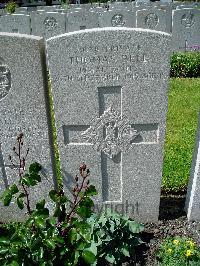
(109, 88)
(184, 23)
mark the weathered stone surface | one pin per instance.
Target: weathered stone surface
(81, 20)
(142, 2)
(166, 1)
(185, 29)
(152, 18)
(48, 24)
(23, 92)
(192, 205)
(117, 18)
(16, 23)
(120, 6)
(110, 94)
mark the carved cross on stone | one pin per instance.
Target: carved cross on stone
(111, 134)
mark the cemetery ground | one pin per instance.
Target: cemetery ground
(183, 107)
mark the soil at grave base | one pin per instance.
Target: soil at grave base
(172, 222)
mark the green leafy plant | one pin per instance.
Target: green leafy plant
(65, 4)
(116, 236)
(11, 7)
(185, 65)
(179, 251)
(74, 235)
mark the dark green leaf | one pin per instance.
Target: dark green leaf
(57, 212)
(52, 221)
(35, 167)
(44, 213)
(53, 195)
(35, 177)
(50, 243)
(91, 191)
(84, 212)
(110, 258)
(40, 222)
(88, 257)
(59, 239)
(63, 251)
(7, 199)
(87, 202)
(25, 180)
(72, 235)
(3, 250)
(13, 189)
(40, 205)
(125, 251)
(63, 199)
(41, 252)
(14, 263)
(22, 195)
(4, 240)
(20, 203)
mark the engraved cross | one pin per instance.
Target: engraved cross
(111, 135)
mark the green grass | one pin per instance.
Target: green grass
(183, 108)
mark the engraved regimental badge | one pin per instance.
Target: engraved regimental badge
(5, 79)
(50, 23)
(118, 20)
(187, 20)
(151, 20)
(110, 133)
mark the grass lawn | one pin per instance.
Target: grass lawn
(183, 108)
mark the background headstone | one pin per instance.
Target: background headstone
(117, 18)
(152, 18)
(16, 23)
(81, 20)
(142, 2)
(192, 205)
(48, 24)
(23, 96)
(110, 95)
(185, 29)
(121, 6)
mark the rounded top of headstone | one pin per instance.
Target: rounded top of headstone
(109, 29)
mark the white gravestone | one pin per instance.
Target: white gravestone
(154, 19)
(110, 95)
(23, 96)
(48, 24)
(121, 6)
(117, 18)
(142, 3)
(192, 205)
(185, 29)
(81, 20)
(16, 23)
